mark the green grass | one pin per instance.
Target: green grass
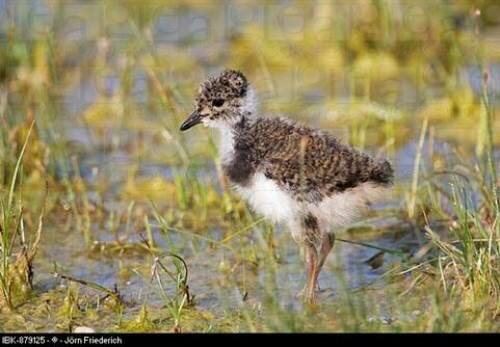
(448, 282)
(18, 245)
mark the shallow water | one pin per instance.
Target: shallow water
(205, 278)
(215, 290)
(110, 154)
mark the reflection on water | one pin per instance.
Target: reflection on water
(111, 153)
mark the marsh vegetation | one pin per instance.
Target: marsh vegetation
(110, 218)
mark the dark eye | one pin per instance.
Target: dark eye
(218, 102)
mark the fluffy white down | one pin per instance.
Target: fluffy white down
(268, 199)
(347, 207)
(336, 212)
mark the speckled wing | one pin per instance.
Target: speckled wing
(313, 165)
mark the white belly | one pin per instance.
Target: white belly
(268, 199)
(338, 211)
(347, 207)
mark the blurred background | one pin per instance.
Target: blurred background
(109, 82)
(104, 75)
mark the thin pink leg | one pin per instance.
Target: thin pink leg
(326, 246)
(312, 273)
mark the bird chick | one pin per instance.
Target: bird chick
(288, 172)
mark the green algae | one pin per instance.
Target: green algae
(129, 187)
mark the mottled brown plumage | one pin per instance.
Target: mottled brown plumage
(308, 163)
(287, 171)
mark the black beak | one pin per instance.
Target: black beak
(191, 121)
